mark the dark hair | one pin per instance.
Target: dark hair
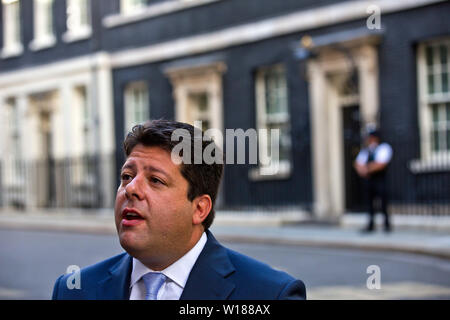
(374, 133)
(202, 178)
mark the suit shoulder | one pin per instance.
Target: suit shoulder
(89, 276)
(257, 280)
(257, 270)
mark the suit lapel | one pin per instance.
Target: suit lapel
(116, 285)
(207, 279)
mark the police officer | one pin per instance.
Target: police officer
(371, 164)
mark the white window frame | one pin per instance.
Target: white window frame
(78, 20)
(131, 108)
(14, 128)
(129, 7)
(282, 169)
(87, 132)
(12, 40)
(42, 17)
(15, 160)
(128, 14)
(429, 160)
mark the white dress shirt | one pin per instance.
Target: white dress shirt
(177, 274)
(383, 154)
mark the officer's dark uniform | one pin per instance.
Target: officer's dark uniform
(376, 186)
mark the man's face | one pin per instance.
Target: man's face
(153, 188)
(372, 141)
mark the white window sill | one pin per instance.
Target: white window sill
(151, 11)
(281, 172)
(42, 43)
(73, 36)
(438, 164)
(20, 184)
(12, 51)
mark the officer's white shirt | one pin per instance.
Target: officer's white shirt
(177, 274)
(383, 154)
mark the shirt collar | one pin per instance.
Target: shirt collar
(178, 271)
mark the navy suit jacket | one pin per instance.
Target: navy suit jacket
(218, 274)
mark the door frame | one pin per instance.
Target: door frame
(327, 127)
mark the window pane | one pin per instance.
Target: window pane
(435, 127)
(284, 143)
(130, 6)
(447, 107)
(84, 12)
(448, 139)
(444, 83)
(199, 101)
(430, 83)
(443, 54)
(15, 8)
(77, 14)
(429, 53)
(11, 25)
(435, 140)
(136, 105)
(440, 133)
(43, 14)
(276, 95)
(435, 111)
(49, 17)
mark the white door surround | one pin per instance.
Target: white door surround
(191, 83)
(326, 74)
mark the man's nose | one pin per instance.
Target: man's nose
(134, 188)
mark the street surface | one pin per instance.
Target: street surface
(31, 261)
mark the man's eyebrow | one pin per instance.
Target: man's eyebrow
(155, 169)
(129, 165)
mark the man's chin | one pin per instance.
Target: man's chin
(130, 243)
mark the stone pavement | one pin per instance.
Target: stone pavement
(423, 236)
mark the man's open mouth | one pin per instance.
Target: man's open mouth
(131, 214)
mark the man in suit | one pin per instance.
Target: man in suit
(164, 208)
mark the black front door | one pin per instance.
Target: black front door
(352, 141)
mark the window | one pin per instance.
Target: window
(436, 96)
(14, 128)
(437, 56)
(440, 127)
(132, 6)
(78, 20)
(434, 106)
(273, 114)
(136, 104)
(14, 161)
(437, 59)
(87, 118)
(87, 168)
(11, 28)
(43, 25)
(136, 10)
(199, 107)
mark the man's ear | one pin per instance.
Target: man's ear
(202, 208)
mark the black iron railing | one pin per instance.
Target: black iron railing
(82, 182)
(416, 186)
